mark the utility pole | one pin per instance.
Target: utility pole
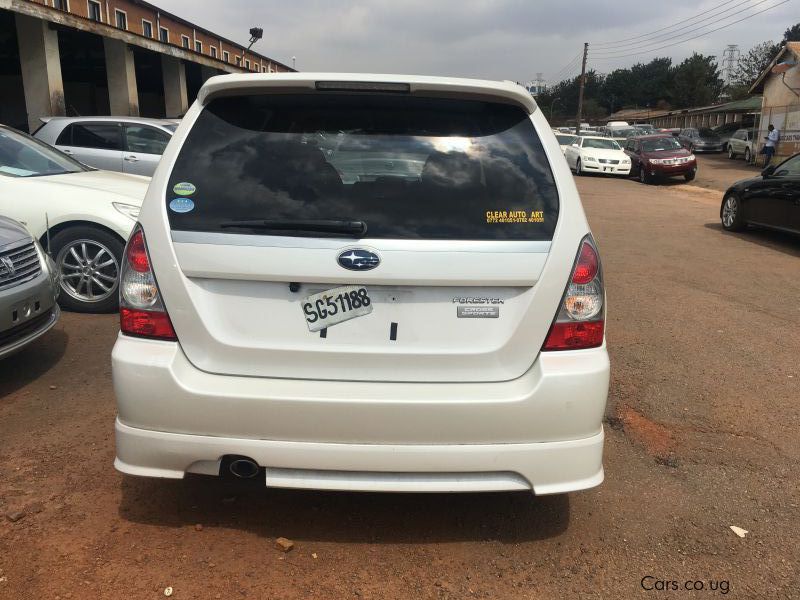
(583, 84)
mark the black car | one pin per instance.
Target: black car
(771, 200)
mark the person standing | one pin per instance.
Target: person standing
(772, 138)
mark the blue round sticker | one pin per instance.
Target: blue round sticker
(181, 205)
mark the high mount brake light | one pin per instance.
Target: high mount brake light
(141, 311)
(580, 322)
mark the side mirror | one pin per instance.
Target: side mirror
(768, 171)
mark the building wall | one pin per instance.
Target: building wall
(781, 107)
(136, 11)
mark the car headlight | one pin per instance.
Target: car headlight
(691, 157)
(626, 161)
(589, 158)
(656, 161)
(129, 210)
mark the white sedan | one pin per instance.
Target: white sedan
(591, 154)
(90, 214)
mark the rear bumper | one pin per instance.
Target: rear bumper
(542, 431)
(545, 468)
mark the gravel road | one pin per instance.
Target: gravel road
(702, 424)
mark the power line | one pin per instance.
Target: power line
(648, 44)
(569, 65)
(664, 28)
(672, 34)
(647, 51)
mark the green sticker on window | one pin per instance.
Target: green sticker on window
(184, 188)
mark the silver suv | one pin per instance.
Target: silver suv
(125, 144)
(28, 289)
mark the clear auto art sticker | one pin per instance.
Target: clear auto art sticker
(514, 216)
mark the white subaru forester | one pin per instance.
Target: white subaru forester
(363, 282)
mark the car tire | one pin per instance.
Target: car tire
(88, 262)
(731, 214)
(690, 176)
(643, 176)
(747, 155)
(578, 171)
(731, 153)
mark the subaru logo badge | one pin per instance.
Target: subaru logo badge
(358, 259)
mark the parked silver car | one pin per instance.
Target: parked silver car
(741, 144)
(28, 288)
(125, 144)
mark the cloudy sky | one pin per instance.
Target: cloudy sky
(495, 39)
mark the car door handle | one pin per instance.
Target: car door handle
(67, 151)
(131, 158)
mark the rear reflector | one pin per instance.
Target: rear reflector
(146, 323)
(575, 336)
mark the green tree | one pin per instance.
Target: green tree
(792, 34)
(697, 81)
(752, 64)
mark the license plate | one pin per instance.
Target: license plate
(336, 305)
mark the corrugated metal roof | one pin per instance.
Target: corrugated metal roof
(793, 47)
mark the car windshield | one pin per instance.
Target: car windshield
(661, 144)
(600, 144)
(406, 167)
(707, 133)
(625, 132)
(24, 156)
(566, 140)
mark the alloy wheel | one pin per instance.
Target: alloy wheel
(89, 270)
(729, 210)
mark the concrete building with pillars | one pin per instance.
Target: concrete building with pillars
(107, 57)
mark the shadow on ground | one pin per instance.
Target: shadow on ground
(341, 516)
(33, 361)
(774, 240)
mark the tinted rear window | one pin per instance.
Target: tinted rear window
(410, 167)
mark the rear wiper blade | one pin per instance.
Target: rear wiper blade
(354, 228)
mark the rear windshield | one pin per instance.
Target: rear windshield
(408, 167)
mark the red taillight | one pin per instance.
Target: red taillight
(137, 253)
(146, 323)
(587, 265)
(580, 322)
(141, 311)
(574, 336)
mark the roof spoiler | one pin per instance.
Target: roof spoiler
(491, 90)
